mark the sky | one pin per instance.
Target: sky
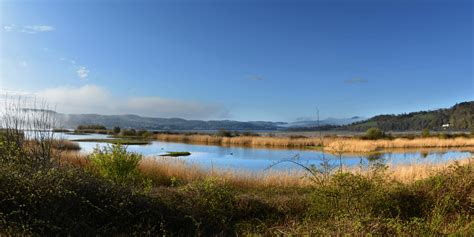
(239, 60)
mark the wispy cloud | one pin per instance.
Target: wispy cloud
(255, 78)
(29, 29)
(8, 28)
(356, 81)
(82, 72)
(94, 99)
(32, 29)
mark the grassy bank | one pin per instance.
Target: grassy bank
(331, 144)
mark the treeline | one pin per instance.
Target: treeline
(91, 126)
(459, 117)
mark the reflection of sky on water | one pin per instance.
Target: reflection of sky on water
(256, 159)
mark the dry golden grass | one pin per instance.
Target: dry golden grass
(408, 173)
(171, 167)
(331, 144)
(166, 168)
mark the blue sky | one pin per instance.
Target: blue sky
(242, 60)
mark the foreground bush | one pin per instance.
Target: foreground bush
(117, 165)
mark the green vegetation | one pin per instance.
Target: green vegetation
(425, 132)
(116, 164)
(373, 134)
(122, 141)
(177, 153)
(132, 133)
(226, 133)
(91, 127)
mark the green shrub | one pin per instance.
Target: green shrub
(374, 134)
(128, 132)
(117, 165)
(224, 133)
(210, 204)
(425, 133)
(116, 130)
(144, 133)
(348, 195)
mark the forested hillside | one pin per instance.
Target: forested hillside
(459, 117)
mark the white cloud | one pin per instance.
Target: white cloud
(77, 99)
(32, 29)
(94, 99)
(8, 28)
(82, 72)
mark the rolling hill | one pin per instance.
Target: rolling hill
(459, 117)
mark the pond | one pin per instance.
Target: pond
(258, 159)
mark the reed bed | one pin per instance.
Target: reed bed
(166, 169)
(331, 144)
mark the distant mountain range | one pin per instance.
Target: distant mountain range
(460, 116)
(138, 122)
(307, 122)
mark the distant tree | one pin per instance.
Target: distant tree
(374, 134)
(224, 133)
(425, 132)
(91, 127)
(128, 132)
(116, 130)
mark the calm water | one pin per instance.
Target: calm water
(258, 159)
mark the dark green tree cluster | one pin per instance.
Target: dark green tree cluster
(459, 117)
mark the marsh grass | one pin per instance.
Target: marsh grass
(66, 145)
(174, 171)
(331, 144)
